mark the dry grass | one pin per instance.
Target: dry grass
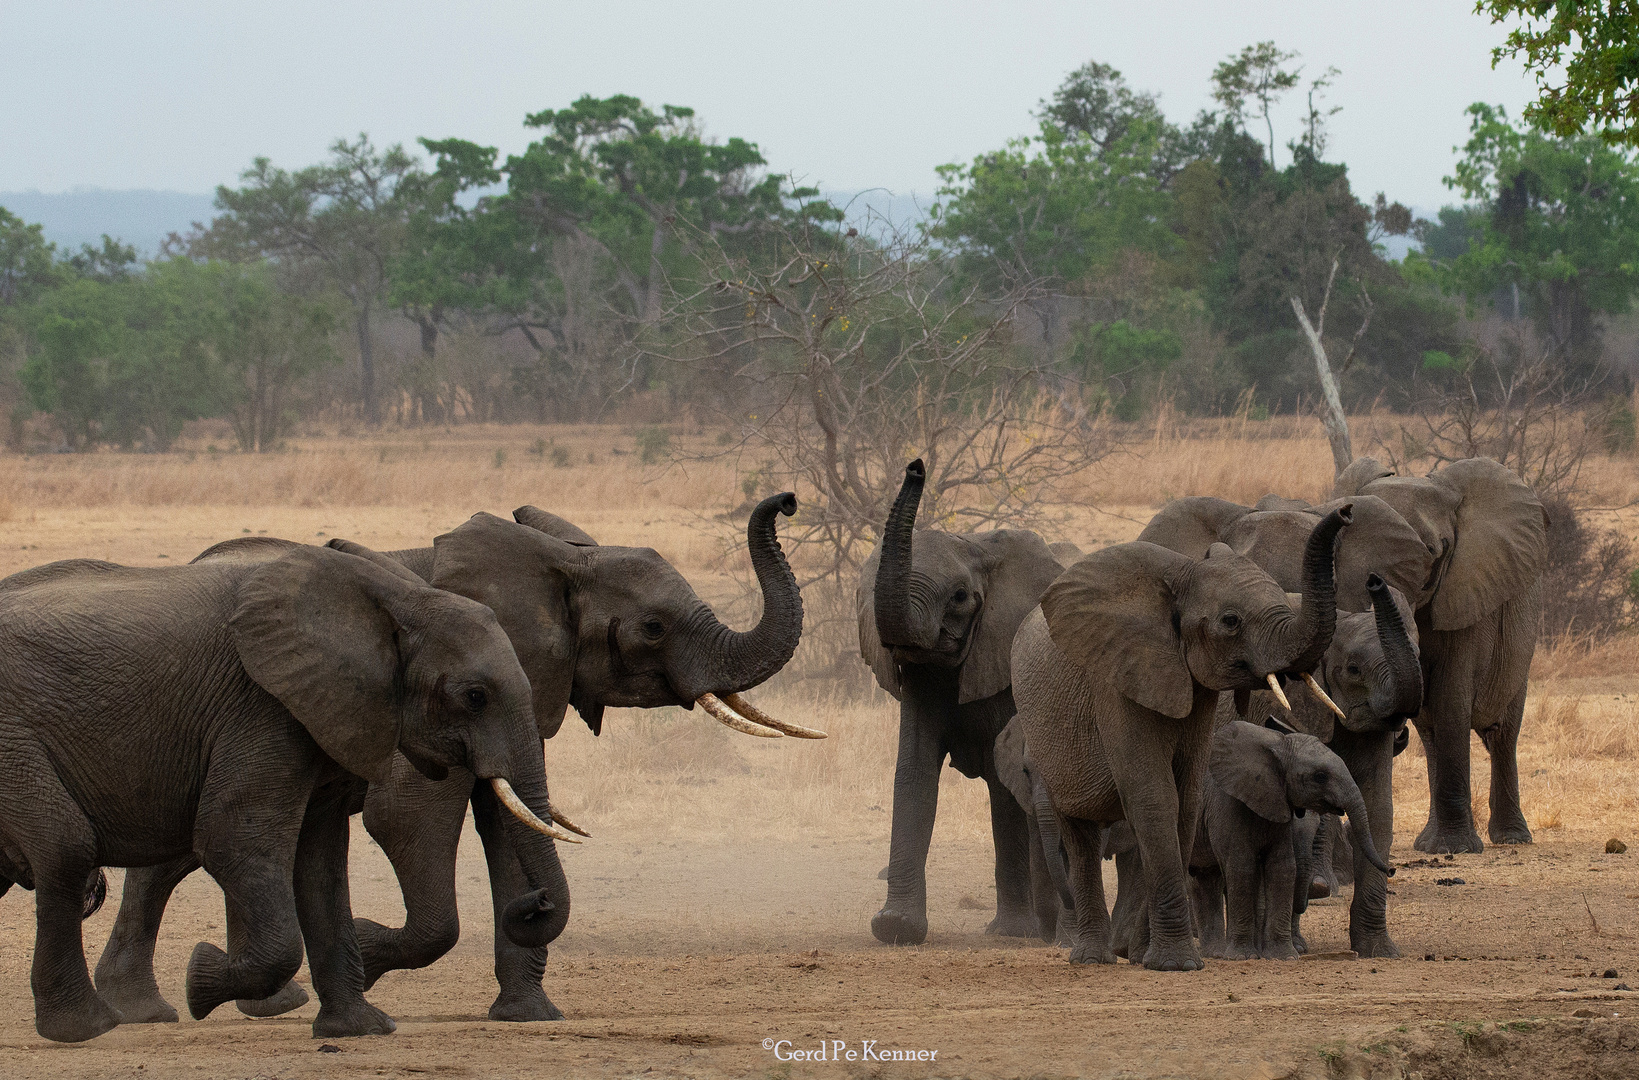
(680, 772)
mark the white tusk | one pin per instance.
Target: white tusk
(757, 716)
(523, 813)
(729, 718)
(1280, 695)
(561, 819)
(1321, 694)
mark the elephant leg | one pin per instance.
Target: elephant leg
(1043, 897)
(1507, 824)
(903, 920)
(1444, 726)
(1370, 758)
(1130, 918)
(125, 971)
(1240, 869)
(1207, 894)
(1279, 881)
(1172, 942)
(1010, 834)
(417, 823)
(1322, 879)
(264, 935)
(1083, 844)
(325, 910)
(518, 970)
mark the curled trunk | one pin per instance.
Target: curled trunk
(538, 917)
(1305, 639)
(891, 595)
(739, 660)
(1360, 830)
(1405, 672)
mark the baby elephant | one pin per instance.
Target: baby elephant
(1258, 780)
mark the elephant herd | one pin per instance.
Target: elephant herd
(232, 714)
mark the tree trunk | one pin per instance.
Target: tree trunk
(1337, 424)
(367, 366)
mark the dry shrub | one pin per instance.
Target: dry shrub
(1577, 656)
(1585, 584)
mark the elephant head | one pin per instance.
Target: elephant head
(1157, 624)
(1278, 772)
(598, 626)
(370, 659)
(1484, 531)
(947, 599)
(1371, 670)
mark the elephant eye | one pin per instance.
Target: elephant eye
(961, 596)
(1230, 620)
(653, 628)
(477, 697)
(1354, 669)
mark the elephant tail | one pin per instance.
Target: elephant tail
(1052, 847)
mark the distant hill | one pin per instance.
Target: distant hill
(139, 218)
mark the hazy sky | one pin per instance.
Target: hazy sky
(848, 95)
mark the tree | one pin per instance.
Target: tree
(27, 262)
(1254, 75)
(1600, 87)
(1557, 231)
(349, 216)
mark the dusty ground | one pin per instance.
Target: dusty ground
(725, 898)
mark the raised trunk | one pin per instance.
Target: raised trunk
(738, 660)
(891, 591)
(1305, 638)
(1404, 669)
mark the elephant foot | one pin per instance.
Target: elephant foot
(1300, 943)
(1175, 956)
(523, 1006)
(1280, 952)
(290, 996)
(1375, 947)
(1086, 953)
(1462, 841)
(207, 979)
(1319, 888)
(138, 1004)
(78, 1021)
(894, 927)
(1013, 924)
(358, 1017)
(1516, 832)
(1238, 952)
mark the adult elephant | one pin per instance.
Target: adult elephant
(226, 711)
(1117, 679)
(593, 627)
(937, 614)
(1466, 546)
(1370, 671)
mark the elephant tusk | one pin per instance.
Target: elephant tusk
(562, 819)
(757, 716)
(1321, 694)
(729, 718)
(523, 813)
(1280, 695)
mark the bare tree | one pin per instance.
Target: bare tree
(853, 355)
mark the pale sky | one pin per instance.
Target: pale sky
(181, 96)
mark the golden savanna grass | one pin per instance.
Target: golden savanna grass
(400, 488)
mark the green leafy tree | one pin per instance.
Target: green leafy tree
(1251, 82)
(1592, 48)
(27, 262)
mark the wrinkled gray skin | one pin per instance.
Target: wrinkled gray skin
(1258, 781)
(937, 613)
(593, 626)
(1049, 874)
(1370, 670)
(1116, 678)
(225, 712)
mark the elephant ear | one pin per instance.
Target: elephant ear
(521, 574)
(1378, 541)
(1246, 762)
(552, 525)
(1274, 539)
(1280, 502)
(386, 562)
(1065, 552)
(1018, 567)
(1112, 614)
(1499, 543)
(1361, 471)
(1010, 764)
(319, 629)
(245, 549)
(1190, 525)
(879, 659)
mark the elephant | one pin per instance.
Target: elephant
(230, 712)
(1258, 780)
(1465, 547)
(1049, 878)
(1116, 677)
(594, 626)
(937, 614)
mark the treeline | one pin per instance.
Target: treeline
(1138, 261)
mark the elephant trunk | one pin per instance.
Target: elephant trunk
(538, 917)
(1404, 670)
(893, 573)
(1047, 828)
(1305, 638)
(738, 660)
(1360, 830)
